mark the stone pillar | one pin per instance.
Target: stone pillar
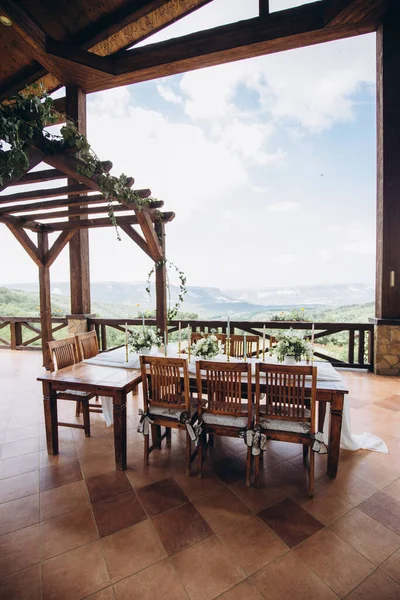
(387, 348)
(78, 323)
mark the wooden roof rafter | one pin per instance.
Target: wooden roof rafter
(95, 58)
(74, 198)
(127, 23)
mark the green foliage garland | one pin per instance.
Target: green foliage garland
(172, 310)
(24, 119)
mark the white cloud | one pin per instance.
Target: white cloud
(324, 254)
(312, 87)
(283, 206)
(168, 94)
(286, 259)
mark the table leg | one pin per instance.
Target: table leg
(119, 410)
(50, 417)
(334, 433)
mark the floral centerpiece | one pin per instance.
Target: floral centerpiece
(206, 347)
(293, 345)
(144, 339)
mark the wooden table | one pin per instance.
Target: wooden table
(103, 381)
(117, 382)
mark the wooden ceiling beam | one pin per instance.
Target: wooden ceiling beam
(282, 30)
(35, 156)
(70, 190)
(112, 23)
(39, 177)
(59, 244)
(19, 222)
(342, 12)
(136, 237)
(82, 57)
(26, 243)
(150, 235)
(24, 77)
(102, 222)
(72, 167)
(76, 211)
(31, 35)
(64, 202)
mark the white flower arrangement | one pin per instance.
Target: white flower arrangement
(144, 339)
(292, 344)
(207, 347)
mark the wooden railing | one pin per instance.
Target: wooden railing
(18, 328)
(358, 339)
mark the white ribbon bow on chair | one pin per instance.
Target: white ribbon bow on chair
(144, 422)
(318, 445)
(255, 440)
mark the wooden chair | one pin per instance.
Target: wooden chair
(288, 411)
(64, 354)
(236, 347)
(166, 401)
(88, 346)
(226, 413)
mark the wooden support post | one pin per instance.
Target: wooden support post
(161, 284)
(263, 9)
(79, 244)
(16, 334)
(45, 299)
(388, 180)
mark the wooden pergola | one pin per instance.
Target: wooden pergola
(91, 46)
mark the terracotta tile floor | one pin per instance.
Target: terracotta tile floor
(71, 527)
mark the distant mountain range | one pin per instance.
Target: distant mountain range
(210, 302)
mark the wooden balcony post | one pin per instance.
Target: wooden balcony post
(45, 299)
(387, 311)
(388, 139)
(161, 284)
(79, 244)
(16, 334)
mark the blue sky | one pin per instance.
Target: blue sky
(268, 163)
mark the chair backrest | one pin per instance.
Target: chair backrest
(196, 336)
(165, 382)
(88, 345)
(236, 347)
(226, 386)
(63, 352)
(290, 393)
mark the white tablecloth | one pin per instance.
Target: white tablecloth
(325, 372)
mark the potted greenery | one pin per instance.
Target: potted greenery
(291, 347)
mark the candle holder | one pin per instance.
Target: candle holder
(179, 348)
(228, 348)
(188, 352)
(263, 355)
(126, 353)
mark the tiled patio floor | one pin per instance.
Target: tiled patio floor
(72, 527)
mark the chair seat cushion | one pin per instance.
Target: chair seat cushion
(289, 426)
(227, 420)
(169, 413)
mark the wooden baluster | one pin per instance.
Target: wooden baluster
(351, 346)
(103, 338)
(361, 347)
